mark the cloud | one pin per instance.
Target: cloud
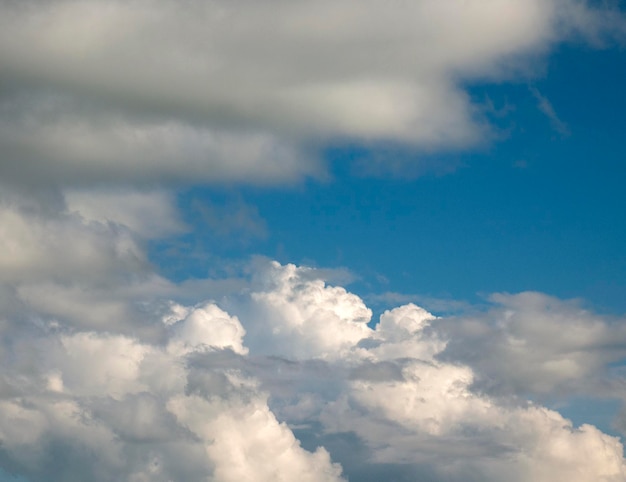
(149, 214)
(37, 244)
(435, 304)
(534, 344)
(45, 140)
(423, 409)
(243, 436)
(193, 92)
(130, 408)
(297, 317)
(545, 106)
(285, 380)
(275, 373)
(208, 326)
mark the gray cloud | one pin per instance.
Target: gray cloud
(532, 344)
(209, 92)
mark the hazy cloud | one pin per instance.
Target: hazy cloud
(545, 106)
(234, 220)
(530, 344)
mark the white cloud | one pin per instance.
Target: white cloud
(222, 91)
(246, 442)
(210, 327)
(299, 317)
(94, 358)
(132, 409)
(213, 396)
(97, 358)
(432, 413)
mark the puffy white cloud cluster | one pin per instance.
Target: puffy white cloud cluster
(80, 405)
(106, 377)
(431, 414)
(300, 318)
(100, 378)
(94, 90)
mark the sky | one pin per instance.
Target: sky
(314, 240)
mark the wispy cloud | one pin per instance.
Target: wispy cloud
(546, 107)
(233, 219)
(441, 306)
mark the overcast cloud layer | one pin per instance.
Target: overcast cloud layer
(251, 91)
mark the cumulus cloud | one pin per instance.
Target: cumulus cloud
(210, 327)
(247, 91)
(409, 407)
(110, 407)
(299, 317)
(264, 386)
(96, 380)
(534, 344)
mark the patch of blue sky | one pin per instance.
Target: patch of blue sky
(602, 413)
(536, 208)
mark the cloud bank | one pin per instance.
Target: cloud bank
(251, 91)
(107, 374)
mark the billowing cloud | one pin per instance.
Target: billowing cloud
(285, 380)
(109, 406)
(299, 317)
(205, 92)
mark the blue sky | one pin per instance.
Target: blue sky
(536, 208)
(317, 241)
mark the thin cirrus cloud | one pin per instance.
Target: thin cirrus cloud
(545, 106)
(248, 91)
